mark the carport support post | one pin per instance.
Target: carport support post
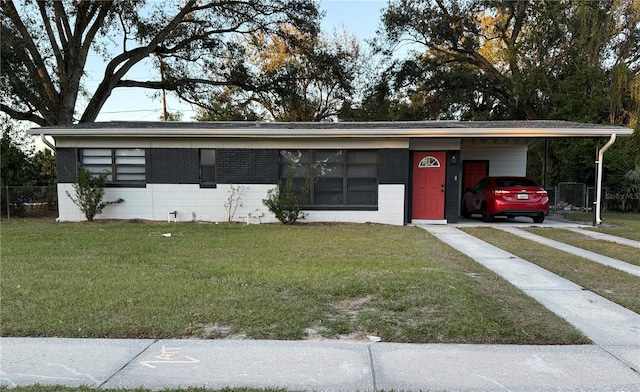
(599, 177)
(8, 204)
(595, 199)
(546, 157)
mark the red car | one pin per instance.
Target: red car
(506, 196)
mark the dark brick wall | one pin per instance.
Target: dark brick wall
(173, 166)
(393, 167)
(247, 166)
(66, 162)
(452, 195)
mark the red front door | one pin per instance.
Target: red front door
(428, 185)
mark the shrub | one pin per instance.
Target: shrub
(234, 199)
(89, 189)
(626, 191)
(286, 201)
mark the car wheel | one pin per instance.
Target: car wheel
(486, 217)
(465, 212)
(538, 219)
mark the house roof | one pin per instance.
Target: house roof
(409, 129)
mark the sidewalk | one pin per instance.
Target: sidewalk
(326, 365)
(612, 363)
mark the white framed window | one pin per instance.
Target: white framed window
(207, 168)
(124, 165)
(429, 161)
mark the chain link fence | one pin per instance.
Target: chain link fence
(575, 196)
(552, 194)
(28, 202)
(571, 196)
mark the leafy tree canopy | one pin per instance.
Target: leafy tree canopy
(14, 156)
(20, 164)
(311, 76)
(45, 45)
(496, 59)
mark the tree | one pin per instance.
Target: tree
(512, 59)
(44, 168)
(171, 116)
(21, 164)
(45, 45)
(14, 155)
(229, 104)
(382, 103)
(311, 77)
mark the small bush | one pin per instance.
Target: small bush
(234, 199)
(286, 201)
(89, 189)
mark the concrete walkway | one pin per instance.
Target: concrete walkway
(598, 258)
(611, 364)
(606, 237)
(602, 321)
(609, 325)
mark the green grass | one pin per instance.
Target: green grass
(607, 282)
(623, 225)
(258, 281)
(607, 248)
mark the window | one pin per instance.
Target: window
(429, 161)
(347, 178)
(124, 165)
(207, 168)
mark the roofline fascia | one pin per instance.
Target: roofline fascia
(335, 133)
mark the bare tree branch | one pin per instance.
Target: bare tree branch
(24, 116)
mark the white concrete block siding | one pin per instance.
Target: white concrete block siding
(156, 201)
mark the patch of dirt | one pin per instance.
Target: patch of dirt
(348, 309)
(217, 331)
(318, 332)
(353, 306)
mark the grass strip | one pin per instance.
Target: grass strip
(617, 286)
(620, 252)
(625, 225)
(127, 280)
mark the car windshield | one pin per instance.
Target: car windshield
(505, 182)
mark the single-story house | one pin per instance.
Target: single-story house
(384, 172)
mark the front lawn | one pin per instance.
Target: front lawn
(109, 279)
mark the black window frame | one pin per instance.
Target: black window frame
(115, 177)
(204, 183)
(310, 164)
